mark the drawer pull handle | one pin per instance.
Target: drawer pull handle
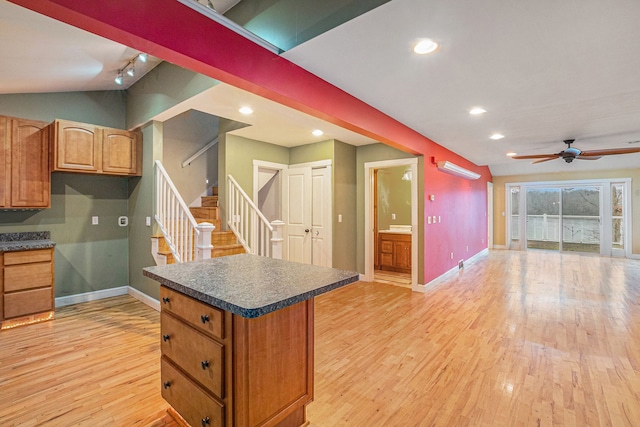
(204, 364)
(167, 384)
(205, 422)
(166, 338)
(204, 318)
(165, 300)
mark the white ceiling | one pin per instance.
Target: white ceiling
(546, 71)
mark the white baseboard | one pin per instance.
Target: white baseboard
(108, 293)
(91, 296)
(450, 273)
(634, 256)
(500, 247)
(144, 298)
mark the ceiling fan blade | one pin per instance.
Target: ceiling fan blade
(537, 156)
(543, 160)
(592, 153)
(588, 157)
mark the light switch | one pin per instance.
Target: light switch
(339, 217)
(148, 221)
(94, 220)
(439, 220)
(393, 216)
(428, 220)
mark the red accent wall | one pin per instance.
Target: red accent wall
(171, 31)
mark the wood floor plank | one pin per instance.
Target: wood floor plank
(517, 338)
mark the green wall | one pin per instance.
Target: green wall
(344, 203)
(162, 88)
(87, 257)
(394, 197)
(141, 199)
(375, 153)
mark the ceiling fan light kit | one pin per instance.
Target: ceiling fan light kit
(571, 153)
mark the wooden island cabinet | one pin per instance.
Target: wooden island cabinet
(237, 338)
(87, 148)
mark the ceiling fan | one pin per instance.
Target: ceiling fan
(572, 153)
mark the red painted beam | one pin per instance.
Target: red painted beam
(174, 32)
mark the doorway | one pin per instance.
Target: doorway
(407, 252)
(301, 196)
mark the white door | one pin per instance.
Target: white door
(307, 215)
(321, 230)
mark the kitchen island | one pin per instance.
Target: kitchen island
(237, 338)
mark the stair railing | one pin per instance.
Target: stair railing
(251, 227)
(187, 240)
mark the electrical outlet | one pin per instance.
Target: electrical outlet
(451, 255)
(467, 248)
(339, 217)
(94, 220)
(428, 219)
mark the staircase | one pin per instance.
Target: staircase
(223, 242)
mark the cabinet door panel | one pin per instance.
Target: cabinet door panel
(5, 159)
(76, 147)
(119, 151)
(30, 176)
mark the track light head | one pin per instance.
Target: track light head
(118, 79)
(131, 72)
(142, 57)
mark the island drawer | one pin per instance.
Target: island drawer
(201, 316)
(193, 403)
(198, 355)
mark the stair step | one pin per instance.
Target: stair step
(206, 212)
(214, 191)
(209, 201)
(227, 237)
(225, 250)
(168, 256)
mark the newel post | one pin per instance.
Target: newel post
(276, 239)
(203, 243)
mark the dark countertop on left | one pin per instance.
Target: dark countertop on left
(25, 241)
(250, 285)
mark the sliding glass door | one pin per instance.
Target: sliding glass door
(570, 216)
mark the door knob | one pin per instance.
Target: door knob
(306, 230)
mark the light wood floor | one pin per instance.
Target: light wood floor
(392, 278)
(518, 338)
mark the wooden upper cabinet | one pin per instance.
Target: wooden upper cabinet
(30, 175)
(75, 147)
(5, 164)
(121, 152)
(24, 164)
(80, 147)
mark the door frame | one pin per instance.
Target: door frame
(490, 215)
(369, 232)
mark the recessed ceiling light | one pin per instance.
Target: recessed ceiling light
(477, 110)
(425, 46)
(246, 110)
(511, 154)
(497, 136)
(317, 132)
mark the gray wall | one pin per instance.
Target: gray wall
(87, 257)
(344, 203)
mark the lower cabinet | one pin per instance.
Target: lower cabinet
(221, 369)
(394, 252)
(27, 293)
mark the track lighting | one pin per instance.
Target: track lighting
(129, 68)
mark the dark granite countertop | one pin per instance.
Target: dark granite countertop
(250, 285)
(25, 241)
